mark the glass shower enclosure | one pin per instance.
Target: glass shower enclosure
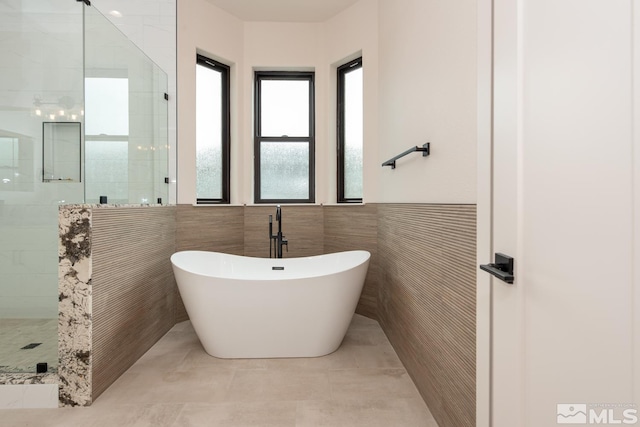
(83, 116)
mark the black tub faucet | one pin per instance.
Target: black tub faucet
(277, 241)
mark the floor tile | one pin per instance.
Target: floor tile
(18, 333)
(154, 415)
(364, 413)
(371, 349)
(280, 385)
(160, 361)
(339, 359)
(177, 384)
(263, 414)
(198, 360)
(371, 384)
(168, 387)
(362, 322)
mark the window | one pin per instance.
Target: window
(212, 131)
(350, 132)
(284, 146)
(106, 167)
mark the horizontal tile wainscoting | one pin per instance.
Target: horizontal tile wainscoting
(427, 304)
(117, 292)
(355, 227)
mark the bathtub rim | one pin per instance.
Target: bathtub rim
(359, 257)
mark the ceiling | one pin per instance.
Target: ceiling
(283, 10)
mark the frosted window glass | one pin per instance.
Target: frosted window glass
(284, 108)
(353, 134)
(208, 133)
(284, 170)
(106, 106)
(107, 170)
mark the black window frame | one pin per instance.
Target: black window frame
(259, 76)
(343, 70)
(225, 72)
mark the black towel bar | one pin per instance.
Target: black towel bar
(425, 149)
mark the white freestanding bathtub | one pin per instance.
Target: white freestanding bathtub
(243, 307)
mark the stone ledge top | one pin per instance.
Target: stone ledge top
(110, 206)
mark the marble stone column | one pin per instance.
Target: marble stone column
(74, 319)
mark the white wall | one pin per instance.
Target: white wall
(206, 29)
(248, 46)
(420, 85)
(428, 94)
(351, 33)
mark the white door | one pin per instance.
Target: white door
(562, 196)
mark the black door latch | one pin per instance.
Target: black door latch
(502, 268)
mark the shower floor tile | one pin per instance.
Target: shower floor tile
(15, 334)
(176, 384)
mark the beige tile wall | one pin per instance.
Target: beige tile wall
(219, 228)
(133, 286)
(302, 226)
(356, 227)
(427, 301)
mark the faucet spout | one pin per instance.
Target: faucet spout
(277, 240)
(270, 233)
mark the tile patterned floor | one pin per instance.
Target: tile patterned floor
(176, 384)
(17, 333)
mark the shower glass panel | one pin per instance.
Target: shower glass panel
(126, 134)
(45, 126)
(41, 81)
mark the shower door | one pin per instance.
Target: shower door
(41, 104)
